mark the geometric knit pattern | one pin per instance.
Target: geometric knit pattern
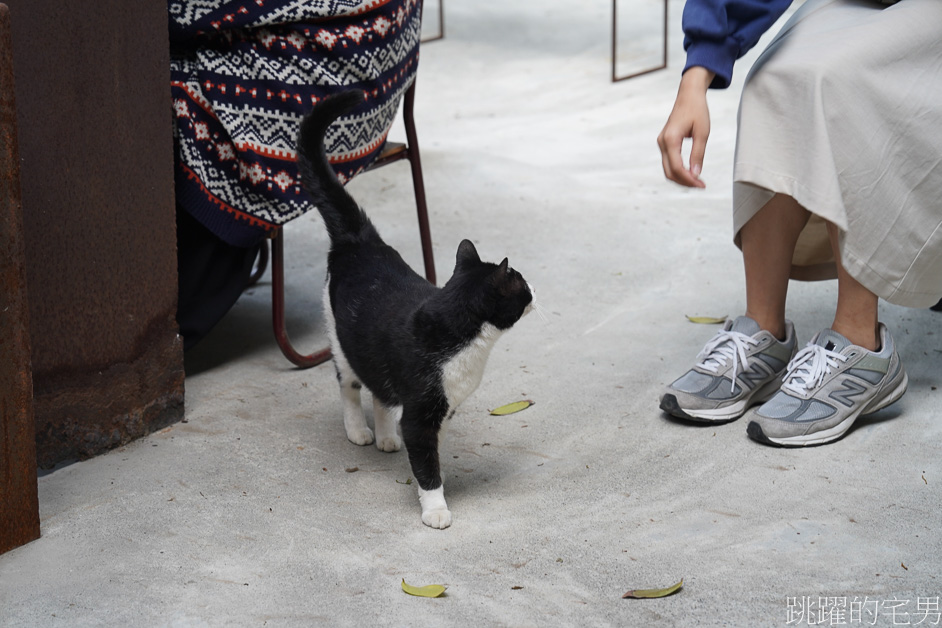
(243, 75)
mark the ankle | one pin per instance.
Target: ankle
(861, 335)
(773, 324)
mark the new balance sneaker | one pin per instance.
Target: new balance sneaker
(742, 365)
(828, 385)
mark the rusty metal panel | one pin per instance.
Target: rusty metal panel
(94, 114)
(19, 506)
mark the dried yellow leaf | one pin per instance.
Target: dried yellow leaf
(510, 408)
(431, 590)
(649, 593)
(706, 320)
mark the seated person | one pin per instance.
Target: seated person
(837, 174)
(243, 74)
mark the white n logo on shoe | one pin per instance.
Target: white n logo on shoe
(849, 391)
(754, 374)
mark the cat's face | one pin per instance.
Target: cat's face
(497, 293)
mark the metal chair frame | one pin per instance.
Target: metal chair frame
(441, 24)
(393, 152)
(615, 77)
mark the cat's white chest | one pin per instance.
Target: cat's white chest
(462, 373)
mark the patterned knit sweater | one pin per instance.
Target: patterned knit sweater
(244, 72)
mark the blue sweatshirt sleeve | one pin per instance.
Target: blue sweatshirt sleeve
(718, 32)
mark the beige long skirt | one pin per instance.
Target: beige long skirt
(843, 112)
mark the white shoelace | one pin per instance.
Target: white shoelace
(724, 346)
(809, 367)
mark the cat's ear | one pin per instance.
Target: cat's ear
(499, 274)
(467, 254)
(501, 279)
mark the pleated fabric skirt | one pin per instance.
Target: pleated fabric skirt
(843, 112)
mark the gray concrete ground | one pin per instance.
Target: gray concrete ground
(249, 513)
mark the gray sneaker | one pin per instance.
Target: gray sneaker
(829, 384)
(741, 366)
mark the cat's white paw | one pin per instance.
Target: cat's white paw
(361, 436)
(389, 443)
(439, 518)
(435, 511)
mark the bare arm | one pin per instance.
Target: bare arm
(689, 118)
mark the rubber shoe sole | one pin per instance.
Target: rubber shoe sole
(754, 430)
(720, 415)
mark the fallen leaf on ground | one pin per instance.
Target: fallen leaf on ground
(352, 469)
(409, 481)
(706, 320)
(648, 593)
(431, 590)
(510, 408)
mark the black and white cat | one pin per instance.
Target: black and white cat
(419, 349)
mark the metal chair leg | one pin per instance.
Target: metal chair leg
(411, 152)
(278, 309)
(441, 23)
(418, 183)
(661, 66)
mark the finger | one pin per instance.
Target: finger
(697, 152)
(671, 156)
(665, 162)
(673, 163)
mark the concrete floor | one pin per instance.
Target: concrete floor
(250, 514)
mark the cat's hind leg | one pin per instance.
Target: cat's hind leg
(420, 427)
(354, 421)
(386, 422)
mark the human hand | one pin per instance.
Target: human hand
(689, 118)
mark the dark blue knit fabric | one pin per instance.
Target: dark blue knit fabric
(244, 72)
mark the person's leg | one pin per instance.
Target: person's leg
(768, 243)
(856, 315)
(211, 276)
(832, 382)
(744, 362)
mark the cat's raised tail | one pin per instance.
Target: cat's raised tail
(344, 219)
